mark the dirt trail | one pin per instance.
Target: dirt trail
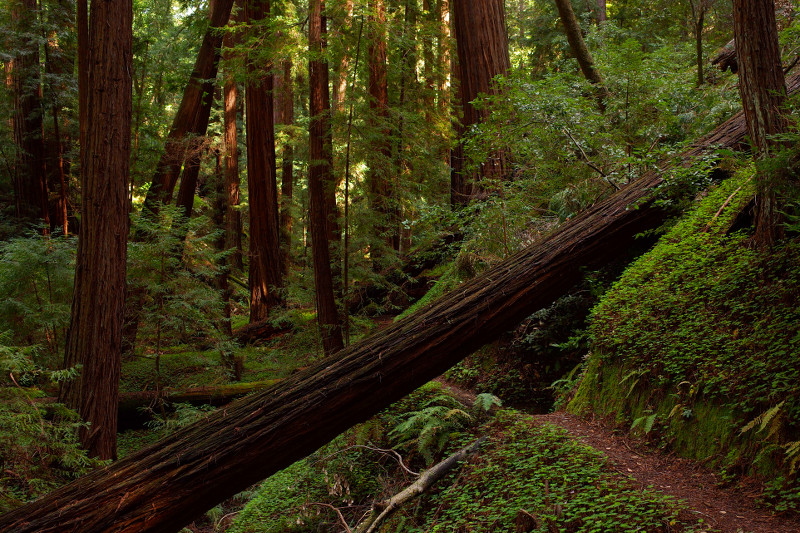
(729, 510)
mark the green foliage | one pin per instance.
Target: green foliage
(705, 308)
(36, 277)
(39, 449)
(172, 270)
(429, 429)
(697, 343)
(537, 475)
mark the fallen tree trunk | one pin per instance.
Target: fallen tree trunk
(165, 486)
(261, 331)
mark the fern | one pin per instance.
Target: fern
(764, 420)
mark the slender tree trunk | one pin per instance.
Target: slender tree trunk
(233, 218)
(94, 335)
(580, 50)
(379, 160)
(287, 168)
(340, 87)
(205, 68)
(699, 8)
(265, 260)
(482, 43)
(763, 91)
(443, 57)
(601, 11)
(320, 181)
(30, 180)
(59, 61)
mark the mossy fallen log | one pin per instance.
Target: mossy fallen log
(164, 486)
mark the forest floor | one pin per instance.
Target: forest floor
(725, 509)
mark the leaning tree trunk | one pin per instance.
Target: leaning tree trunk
(320, 182)
(580, 50)
(166, 485)
(265, 259)
(95, 332)
(763, 91)
(205, 68)
(482, 45)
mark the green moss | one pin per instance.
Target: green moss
(700, 336)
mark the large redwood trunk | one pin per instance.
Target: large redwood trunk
(321, 210)
(165, 486)
(185, 121)
(763, 91)
(482, 42)
(265, 260)
(94, 335)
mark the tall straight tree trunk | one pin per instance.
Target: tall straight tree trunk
(580, 50)
(340, 87)
(482, 42)
(287, 166)
(379, 161)
(58, 66)
(601, 11)
(205, 68)
(233, 218)
(320, 181)
(699, 8)
(30, 180)
(95, 331)
(443, 57)
(763, 90)
(265, 260)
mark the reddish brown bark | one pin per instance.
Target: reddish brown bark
(443, 57)
(482, 44)
(265, 261)
(185, 120)
(320, 181)
(379, 158)
(287, 166)
(30, 177)
(763, 91)
(233, 219)
(94, 335)
(163, 487)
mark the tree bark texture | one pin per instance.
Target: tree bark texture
(30, 177)
(379, 157)
(265, 259)
(94, 335)
(287, 166)
(184, 123)
(166, 485)
(601, 15)
(320, 182)
(482, 45)
(580, 50)
(233, 218)
(763, 91)
(443, 57)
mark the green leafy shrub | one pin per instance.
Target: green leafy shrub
(39, 449)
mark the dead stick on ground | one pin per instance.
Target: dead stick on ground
(381, 512)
